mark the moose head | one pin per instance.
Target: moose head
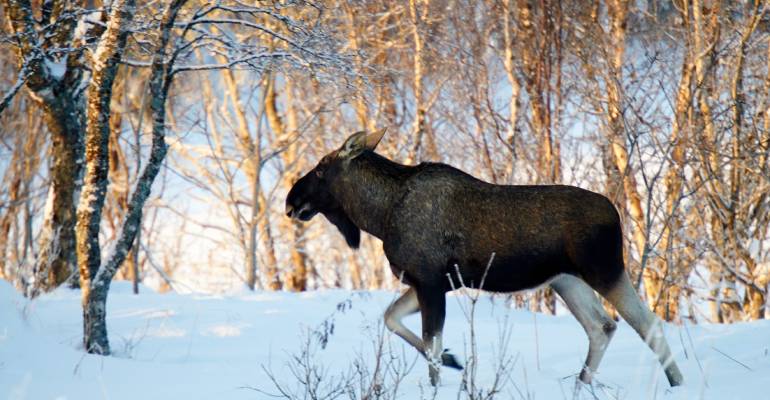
(312, 194)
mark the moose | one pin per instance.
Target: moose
(439, 226)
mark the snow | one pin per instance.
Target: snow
(84, 23)
(57, 68)
(199, 346)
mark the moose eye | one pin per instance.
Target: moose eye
(319, 173)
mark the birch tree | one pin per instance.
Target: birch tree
(52, 64)
(95, 275)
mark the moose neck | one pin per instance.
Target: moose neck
(367, 190)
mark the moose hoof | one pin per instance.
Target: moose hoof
(674, 376)
(449, 360)
(585, 376)
(433, 373)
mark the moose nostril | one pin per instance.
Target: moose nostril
(289, 210)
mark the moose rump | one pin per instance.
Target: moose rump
(439, 224)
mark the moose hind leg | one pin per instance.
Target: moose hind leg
(585, 306)
(623, 296)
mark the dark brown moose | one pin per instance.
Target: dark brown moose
(436, 222)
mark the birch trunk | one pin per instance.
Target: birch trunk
(296, 279)
(706, 32)
(64, 117)
(10, 211)
(754, 298)
(510, 72)
(251, 150)
(291, 156)
(669, 263)
(539, 54)
(538, 71)
(618, 11)
(418, 125)
(119, 178)
(354, 43)
(95, 275)
(89, 215)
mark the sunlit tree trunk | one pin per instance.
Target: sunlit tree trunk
(296, 229)
(417, 8)
(354, 42)
(117, 198)
(618, 149)
(540, 37)
(540, 70)
(94, 290)
(12, 181)
(739, 217)
(618, 13)
(297, 278)
(672, 263)
(60, 102)
(258, 222)
(510, 73)
(95, 275)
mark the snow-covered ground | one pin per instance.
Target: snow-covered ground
(192, 346)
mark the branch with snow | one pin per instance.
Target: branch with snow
(160, 82)
(21, 78)
(239, 35)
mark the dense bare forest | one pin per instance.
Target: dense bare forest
(219, 107)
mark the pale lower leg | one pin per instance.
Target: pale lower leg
(645, 323)
(433, 310)
(585, 306)
(433, 353)
(405, 305)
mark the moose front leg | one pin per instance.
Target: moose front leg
(433, 311)
(409, 304)
(405, 305)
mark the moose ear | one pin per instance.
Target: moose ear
(360, 141)
(353, 146)
(373, 139)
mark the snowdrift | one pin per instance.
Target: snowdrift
(251, 345)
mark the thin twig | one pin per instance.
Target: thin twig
(736, 361)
